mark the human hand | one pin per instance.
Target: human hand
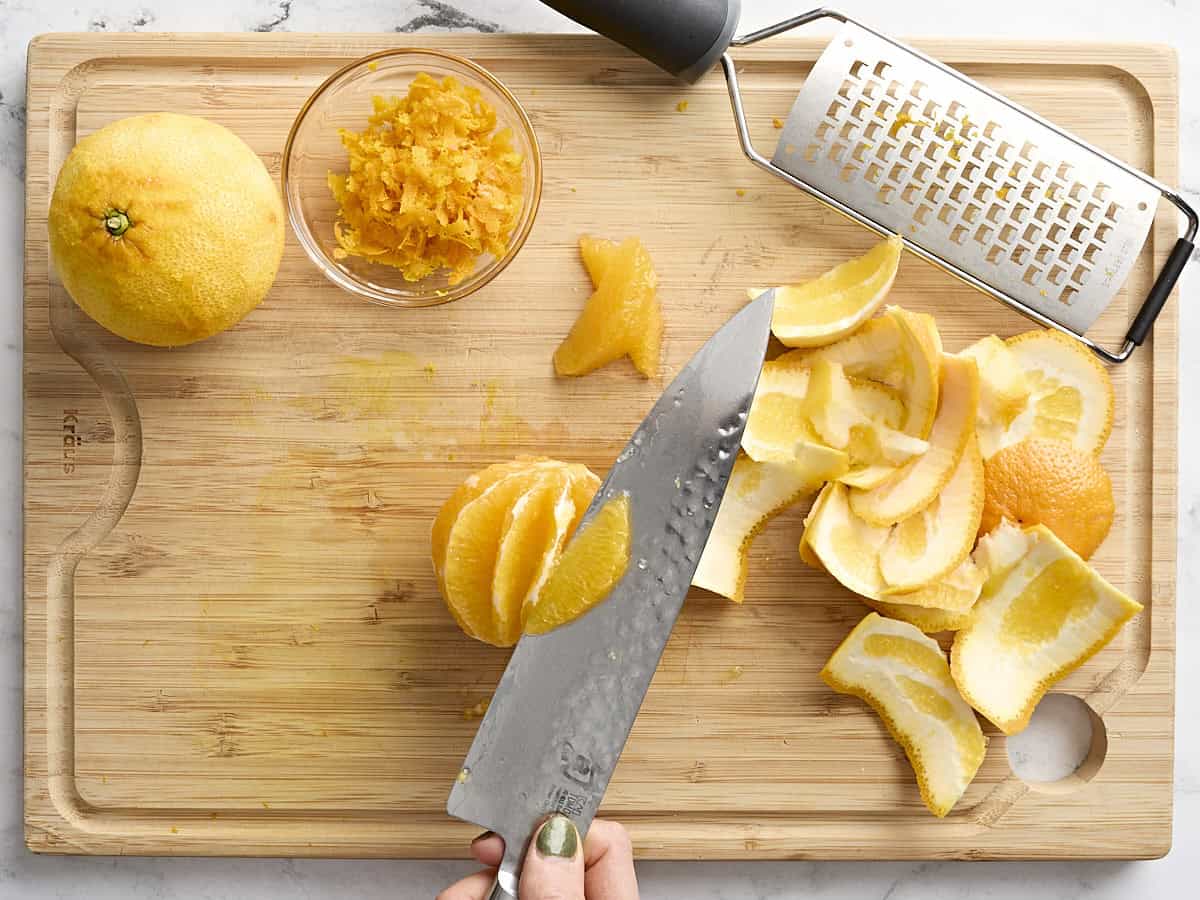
(555, 868)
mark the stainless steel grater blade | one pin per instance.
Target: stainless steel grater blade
(985, 189)
(966, 177)
(973, 183)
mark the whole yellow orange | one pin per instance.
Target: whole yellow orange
(165, 228)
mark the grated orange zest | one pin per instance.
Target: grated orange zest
(431, 184)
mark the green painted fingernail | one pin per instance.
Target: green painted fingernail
(558, 837)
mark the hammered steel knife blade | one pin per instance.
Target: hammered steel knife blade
(566, 702)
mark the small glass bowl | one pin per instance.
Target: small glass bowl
(314, 149)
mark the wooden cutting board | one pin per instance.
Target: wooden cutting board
(233, 639)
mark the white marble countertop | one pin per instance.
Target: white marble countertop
(23, 875)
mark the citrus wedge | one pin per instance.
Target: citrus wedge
(917, 483)
(903, 676)
(592, 563)
(1003, 389)
(621, 318)
(1035, 622)
(821, 311)
(930, 544)
(756, 493)
(1071, 396)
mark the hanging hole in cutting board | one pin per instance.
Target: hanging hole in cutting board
(1062, 748)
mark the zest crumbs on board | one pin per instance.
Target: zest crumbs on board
(431, 183)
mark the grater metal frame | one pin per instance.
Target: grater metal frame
(1164, 281)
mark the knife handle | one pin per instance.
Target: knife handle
(505, 885)
(498, 892)
(685, 37)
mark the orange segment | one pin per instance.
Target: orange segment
(534, 532)
(594, 561)
(471, 554)
(475, 485)
(621, 318)
(596, 253)
(584, 484)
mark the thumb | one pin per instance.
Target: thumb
(554, 864)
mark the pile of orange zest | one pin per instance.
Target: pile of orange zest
(431, 183)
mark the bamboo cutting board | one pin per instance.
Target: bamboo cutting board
(233, 639)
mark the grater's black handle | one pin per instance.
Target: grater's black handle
(685, 37)
(1163, 285)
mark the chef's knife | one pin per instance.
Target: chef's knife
(567, 700)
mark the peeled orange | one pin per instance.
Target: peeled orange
(497, 538)
(471, 554)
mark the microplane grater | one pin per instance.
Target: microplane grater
(966, 177)
(903, 144)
